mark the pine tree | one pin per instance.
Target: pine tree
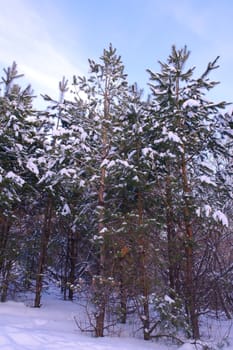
(63, 172)
(134, 184)
(188, 142)
(17, 174)
(105, 91)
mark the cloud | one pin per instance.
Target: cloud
(187, 14)
(25, 37)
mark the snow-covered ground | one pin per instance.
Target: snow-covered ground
(52, 327)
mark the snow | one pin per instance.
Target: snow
(83, 134)
(206, 179)
(67, 172)
(124, 163)
(207, 209)
(191, 103)
(17, 179)
(170, 135)
(19, 146)
(104, 163)
(60, 132)
(135, 178)
(147, 151)
(218, 215)
(111, 164)
(104, 230)
(82, 183)
(173, 137)
(48, 174)
(53, 327)
(66, 210)
(32, 166)
(168, 299)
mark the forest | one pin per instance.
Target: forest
(121, 199)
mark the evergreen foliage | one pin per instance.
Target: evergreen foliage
(124, 199)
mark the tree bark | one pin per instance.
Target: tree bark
(123, 295)
(73, 260)
(144, 272)
(189, 275)
(43, 252)
(5, 262)
(172, 246)
(101, 297)
(4, 236)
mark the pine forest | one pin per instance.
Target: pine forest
(123, 201)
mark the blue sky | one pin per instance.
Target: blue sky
(52, 38)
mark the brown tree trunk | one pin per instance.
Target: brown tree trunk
(189, 275)
(6, 280)
(144, 272)
(172, 247)
(43, 252)
(123, 295)
(4, 235)
(5, 263)
(65, 274)
(100, 317)
(101, 296)
(73, 260)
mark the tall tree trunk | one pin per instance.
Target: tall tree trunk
(100, 319)
(64, 284)
(144, 272)
(5, 224)
(100, 316)
(6, 280)
(123, 293)
(73, 260)
(43, 251)
(173, 269)
(5, 260)
(100, 297)
(189, 275)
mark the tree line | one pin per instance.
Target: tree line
(123, 198)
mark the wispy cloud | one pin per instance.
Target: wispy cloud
(25, 38)
(206, 27)
(187, 14)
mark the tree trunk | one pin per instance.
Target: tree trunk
(4, 236)
(123, 302)
(43, 252)
(144, 273)
(6, 280)
(100, 317)
(66, 267)
(100, 292)
(73, 260)
(189, 275)
(172, 249)
(5, 262)
(101, 297)
(190, 294)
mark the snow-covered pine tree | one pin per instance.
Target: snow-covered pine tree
(189, 141)
(135, 229)
(17, 170)
(105, 90)
(63, 173)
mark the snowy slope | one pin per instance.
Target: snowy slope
(52, 327)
